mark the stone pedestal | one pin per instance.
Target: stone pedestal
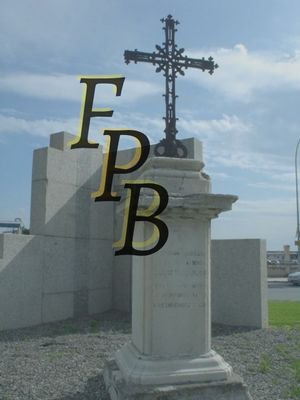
(170, 353)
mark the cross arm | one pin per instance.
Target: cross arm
(203, 64)
(140, 56)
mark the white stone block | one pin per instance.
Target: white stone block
(88, 165)
(82, 206)
(53, 208)
(61, 140)
(38, 207)
(53, 164)
(178, 278)
(99, 264)
(100, 300)
(119, 389)
(20, 282)
(194, 148)
(57, 307)
(101, 220)
(39, 164)
(239, 282)
(60, 216)
(59, 256)
(61, 166)
(11, 245)
(122, 283)
(176, 175)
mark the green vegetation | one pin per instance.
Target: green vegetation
(95, 326)
(283, 350)
(294, 393)
(264, 363)
(69, 329)
(296, 368)
(284, 313)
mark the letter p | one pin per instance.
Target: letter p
(109, 167)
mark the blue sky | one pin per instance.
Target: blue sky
(247, 114)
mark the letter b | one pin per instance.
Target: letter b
(132, 216)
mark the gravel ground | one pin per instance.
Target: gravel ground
(64, 361)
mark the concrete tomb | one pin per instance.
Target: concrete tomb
(170, 355)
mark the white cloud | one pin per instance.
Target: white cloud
(226, 145)
(55, 86)
(220, 175)
(153, 128)
(242, 73)
(227, 123)
(283, 188)
(288, 178)
(134, 90)
(38, 127)
(229, 131)
(68, 88)
(267, 207)
(250, 160)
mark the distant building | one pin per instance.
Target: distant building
(15, 226)
(284, 256)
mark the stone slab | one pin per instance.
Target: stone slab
(139, 369)
(20, 281)
(61, 140)
(58, 264)
(99, 264)
(122, 283)
(239, 282)
(57, 307)
(100, 300)
(231, 389)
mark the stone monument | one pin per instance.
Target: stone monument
(66, 264)
(170, 355)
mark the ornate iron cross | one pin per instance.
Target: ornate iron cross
(171, 61)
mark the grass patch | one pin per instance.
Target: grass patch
(283, 350)
(284, 313)
(69, 329)
(296, 368)
(294, 393)
(95, 326)
(264, 363)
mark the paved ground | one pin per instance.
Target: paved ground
(279, 289)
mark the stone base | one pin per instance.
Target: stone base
(146, 370)
(232, 388)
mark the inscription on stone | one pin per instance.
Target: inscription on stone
(179, 287)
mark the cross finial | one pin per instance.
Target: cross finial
(171, 61)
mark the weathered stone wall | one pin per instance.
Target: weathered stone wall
(239, 282)
(64, 268)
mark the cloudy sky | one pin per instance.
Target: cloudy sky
(247, 114)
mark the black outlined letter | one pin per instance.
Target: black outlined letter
(87, 111)
(132, 215)
(109, 167)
